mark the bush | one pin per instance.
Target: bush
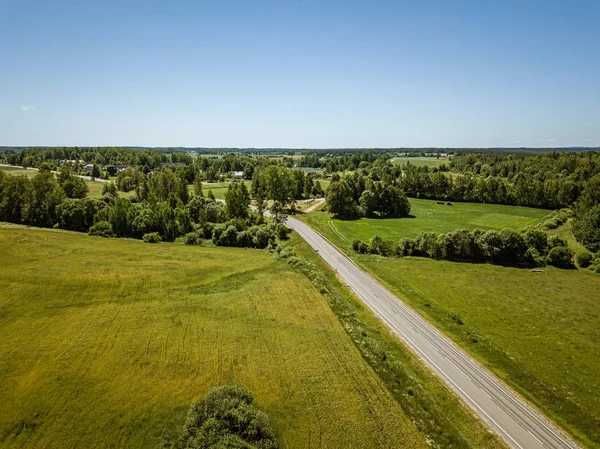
(555, 241)
(587, 229)
(584, 259)
(226, 418)
(152, 237)
(363, 248)
(192, 238)
(561, 257)
(355, 244)
(102, 229)
(229, 237)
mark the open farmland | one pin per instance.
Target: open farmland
(219, 189)
(421, 161)
(427, 216)
(105, 343)
(537, 331)
(17, 171)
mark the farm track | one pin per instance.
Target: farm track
(518, 423)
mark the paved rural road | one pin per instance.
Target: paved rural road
(505, 412)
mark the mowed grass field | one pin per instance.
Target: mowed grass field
(427, 216)
(218, 188)
(421, 161)
(14, 171)
(105, 343)
(540, 332)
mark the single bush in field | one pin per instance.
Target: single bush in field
(152, 237)
(192, 238)
(226, 418)
(584, 259)
(102, 229)
(561, 257)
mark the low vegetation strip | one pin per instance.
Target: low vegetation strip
(106, 343)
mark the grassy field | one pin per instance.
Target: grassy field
(218, 188)
(19, 171)
(105, 343)
(540, 332)
(428, 216)
(421, 161)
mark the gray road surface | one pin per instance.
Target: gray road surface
(519, 425)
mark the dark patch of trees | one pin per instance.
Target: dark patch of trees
(356, 195)
(227, 418)
(161, 210)
(507, 247)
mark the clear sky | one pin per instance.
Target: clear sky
(302, 74)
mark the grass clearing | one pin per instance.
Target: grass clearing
(428, 216)
(219, 189)
(106, 342)
(430, 162)
(15, 171)
(540, 332)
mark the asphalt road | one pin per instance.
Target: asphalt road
(519, 425)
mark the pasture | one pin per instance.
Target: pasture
(106, 342)
(218, 188)
(427, 216)
(540, 332)
(15, 171)
(431, 162)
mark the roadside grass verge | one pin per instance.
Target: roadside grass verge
(106, 342)
(436, 411)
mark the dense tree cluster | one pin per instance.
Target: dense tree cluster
(227, 418)
(506, 247)
(161, 210)
(356, 195)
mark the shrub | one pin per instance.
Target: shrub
(229, 237)
(355, 244)
(152, 237)
(587, 228)
(537, 239)
(555, 241)
(561, 257)
(226, 418)
(244, 239)
(102, 229)
(363, 248)
(192, 238)
(584, 259)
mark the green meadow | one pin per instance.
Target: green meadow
(421, 161)
(106, 342)
(427, 215)
(14, 171)
(219, 189)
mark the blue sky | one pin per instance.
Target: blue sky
(302, 74)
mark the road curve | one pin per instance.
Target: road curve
(519, 425)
